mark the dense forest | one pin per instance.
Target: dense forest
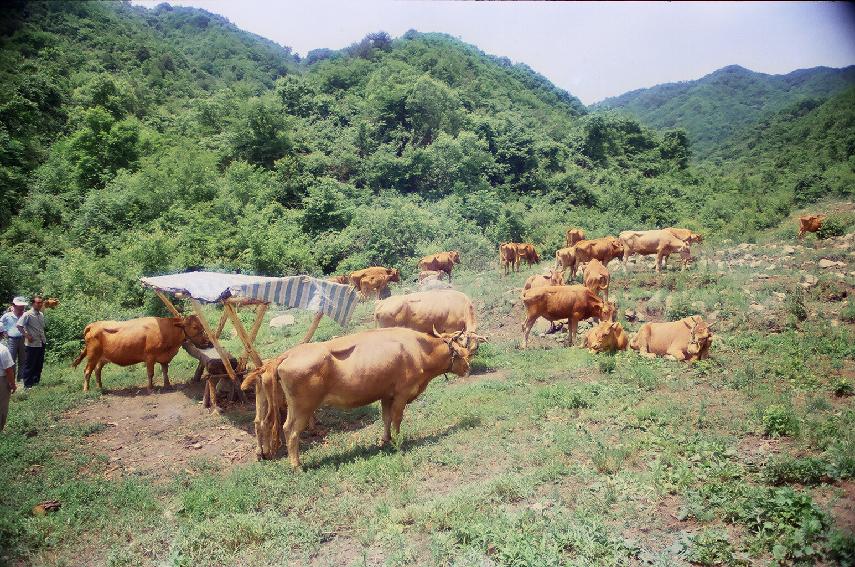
(722, 104)
(137, 141)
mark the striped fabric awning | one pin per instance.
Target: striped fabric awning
(305, 292)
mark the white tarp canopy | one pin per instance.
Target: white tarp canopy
(305, 292)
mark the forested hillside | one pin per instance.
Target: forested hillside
(717, 106)
(136, 141)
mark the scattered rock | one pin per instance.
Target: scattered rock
(771, 267)
(282, 321)
(788, 250)
(757, 307)
(826, 263)
(762, 276)
(779, 296)
(43, 508)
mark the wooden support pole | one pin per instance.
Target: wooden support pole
(167, 302)
(222, 324)
(260, 310)
(313, 327)
(242, 334)
(197, 309)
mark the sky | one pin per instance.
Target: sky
(593, 50)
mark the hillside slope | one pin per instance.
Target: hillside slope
(718, 105)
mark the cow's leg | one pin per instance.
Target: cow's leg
(87, 372)
(625, 261)
(675, 353)
(398, 406)
(261, 410)
(98, 375)
(386, 406)
(659, 258)
(526, 328)
(149, 368)
(296, 422)
(573, 324)
(164, 367)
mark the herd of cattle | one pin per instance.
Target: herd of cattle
(420, 335)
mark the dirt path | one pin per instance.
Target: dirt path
(160, 434)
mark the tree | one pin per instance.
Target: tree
(431, 107)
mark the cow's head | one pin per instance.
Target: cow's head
(616, 246)
(556, 277)
(608, 310)
(700, 335)
(194, 331)
(695, 237)
(394, 274)
(606, 337)
(462, 346)
(455, 256)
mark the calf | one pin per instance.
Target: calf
(508, 257)
(554, 303)
(528, 253)
(688, 339)
(553, 277)
(597, 278)
(147, 339)
(392, 365)
(810, 223)
(607, 336)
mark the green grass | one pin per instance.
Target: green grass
(547, 456)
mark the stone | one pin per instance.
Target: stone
(788, 250)
(771, 267)
(762, 276)
(285, 320)
(757, 307)
(779, 296)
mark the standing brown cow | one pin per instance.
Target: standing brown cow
(392, 365)
(441, 262)
(662, 243)
(573, 236)
(597, 278)
(527, 252)
(603, 249)
(508, 257)
(553, 303)
(373, 280)
(147, 339)
(810, 223)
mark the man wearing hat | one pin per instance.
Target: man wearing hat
(14, 337)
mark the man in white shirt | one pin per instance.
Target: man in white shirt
(32, 326)
(7, 383)
(14, 338)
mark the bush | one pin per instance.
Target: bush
(842, 387)
(807, 470)
(834, 225)
(780, 421)
(848, 312)
(796, 304)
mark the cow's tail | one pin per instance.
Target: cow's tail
(79, 358)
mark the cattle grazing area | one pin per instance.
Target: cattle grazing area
(541, 456)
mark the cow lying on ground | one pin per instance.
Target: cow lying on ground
(688, 339)
(607, 336)
(661, 242)
(442, 262)
(393, 366)
(554, 303)
(553, 277)
(374, 280)
(431, 275)
(147, 339)
(596, 278)
(810, 223)
(445, 310)
(573, 236)
(508, 258)
(339, 279)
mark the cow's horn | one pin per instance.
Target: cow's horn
(436, 333)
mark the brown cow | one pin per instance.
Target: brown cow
(431, 275)
(553, 277)
(553, 303)
(573, 236)
(565, 258)
(345, 279)
(51, 303)
(147, 339)
(810, 223)
(445, 310)
(596, 277)
(661, 242)
(442, 261)
(393, 366)
(607, 336)
(688, 339)
(603, 249)
(686, 235)
(508, 257)
(527, 252)
(373, 280)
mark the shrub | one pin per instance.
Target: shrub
(710, 547)
(848, 312)
(780, 421)
(842, 387)
(832, 226)
(607, 364)
(807, 470)
(796, 304)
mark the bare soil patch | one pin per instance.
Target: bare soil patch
(158, 435)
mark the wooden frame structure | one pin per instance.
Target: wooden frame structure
(247, 338)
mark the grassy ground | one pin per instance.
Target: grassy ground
(542, 457)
